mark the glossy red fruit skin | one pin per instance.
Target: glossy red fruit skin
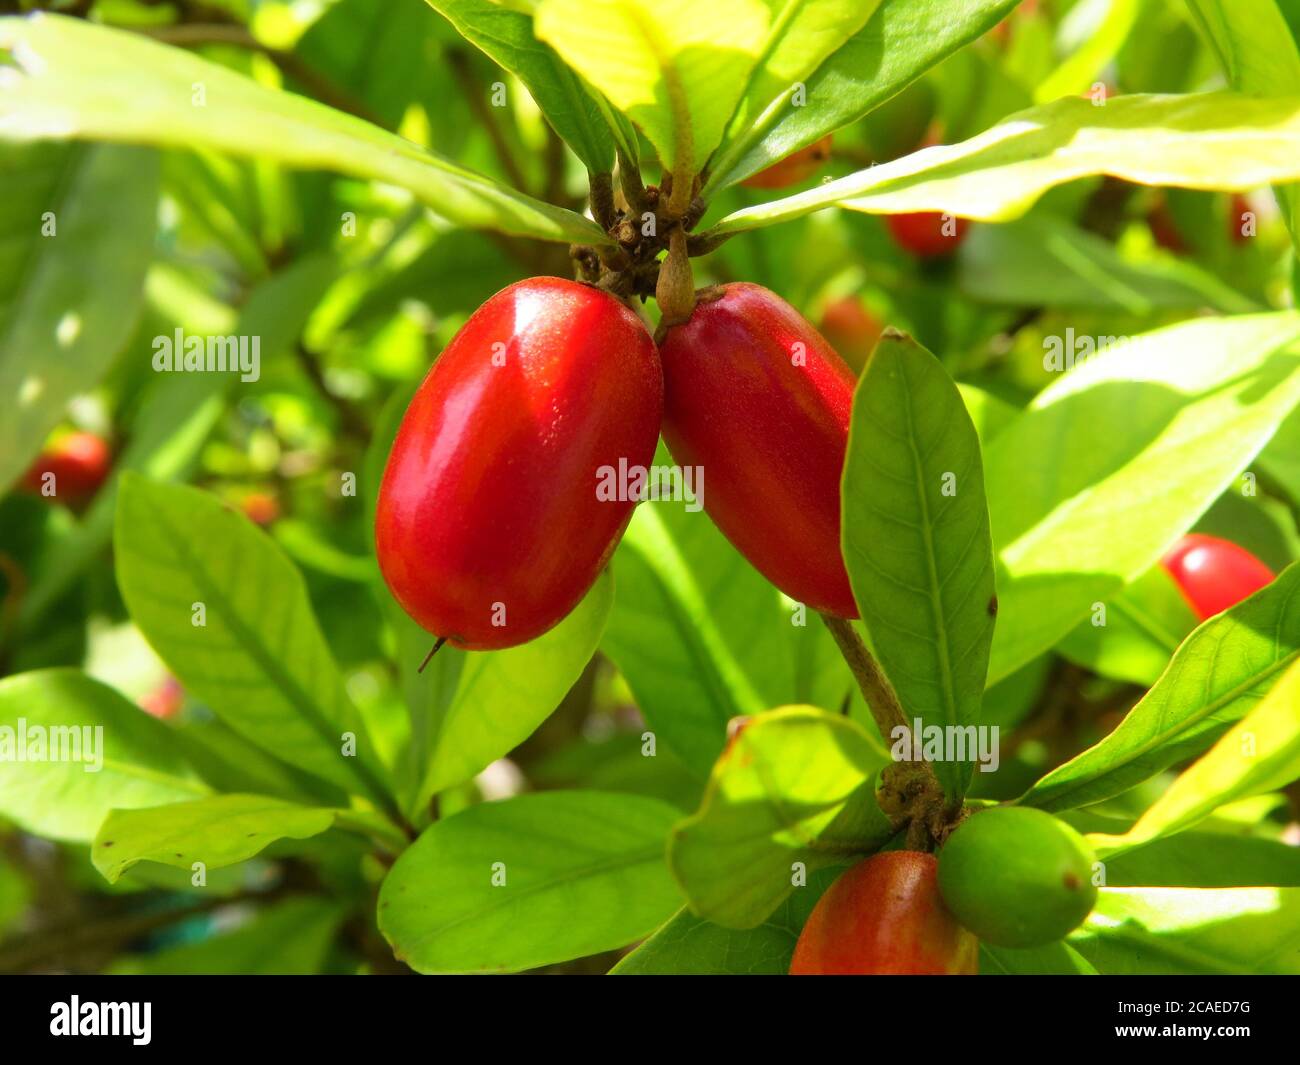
(884, 917)
(490, 492)
(794, 169)
(922, 234)
(1214, 574)
(80, 463)
(770, 436)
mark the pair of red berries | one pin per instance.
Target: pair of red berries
(489, 527)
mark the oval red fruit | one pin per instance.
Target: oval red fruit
(488, 527)
(80, 463)
(756, 397)
(795, 168)
(927, 234)
(1214, 574)
(885, 917)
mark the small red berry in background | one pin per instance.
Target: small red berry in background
(1214, 574)
(927, 234)
(1237, 211)
(261, 508)
(794, 169)
(851, 330)
(80, 463)
(885, 917)
(165, 701)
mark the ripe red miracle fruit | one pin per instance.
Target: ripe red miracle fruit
(1214, 574)
(488, 528)
(756, 397)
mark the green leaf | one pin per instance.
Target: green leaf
(665, 64)
(291, 938)
(690, 945)
(1051, 959)
(899, 43)
(1281, 459)
(1077, 71)
(1260, 753)
(1206, 860)
(507, 37)
(1070, 482)
(1218, 675)
(260, 660)
(795, 785)
(71, 278)
(1258, 53)
(75, 79)
(138, 761)
(699, 635)
(1044, 260)
(530, 881)
(1144, 625)
(217, 831)
(1175, 931)
(801, 36)
(502, 696)
(1217, 140)
(916, 539)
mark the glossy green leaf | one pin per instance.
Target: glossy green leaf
(696, 631)
(217, 831)
(795, 787)
(1201, 141)
(1260, 753)
(1045, 260)
(76, 79)
(1177, 931)
(1206, 859)
(800, 37)
(290, 938)
(125, 758)
(1143, 627)
(502, 696)
(690, 945)
(1051, 959)
(901, 40)
(507, 37)
(916, 539)
(1072, 483)
(259, 660)
(1259, 54)
(529, 881)
(662, 63)
(71, 278)
(1218, 675)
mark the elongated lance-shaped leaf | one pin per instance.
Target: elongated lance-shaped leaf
(72, 79)
(229, 614)
(917, 544)
(530, 881)
(899, 42)
(665, 64)
(1219, 140)
(1259, 753)
(1217, 676)
(73, 280)
(507, 37)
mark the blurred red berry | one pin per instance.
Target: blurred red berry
(1214, 574)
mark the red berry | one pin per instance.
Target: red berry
(1237, 211)
(884, 917)
(80, 463)
(164, 701)
(1214, 574)
(488, 527)
(927, 234)
(794, 169)
(756, 397)
(851, 330)
(261, 508)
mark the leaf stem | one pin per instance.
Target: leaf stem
(876, 689)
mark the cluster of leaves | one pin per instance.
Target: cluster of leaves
(190, 157)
